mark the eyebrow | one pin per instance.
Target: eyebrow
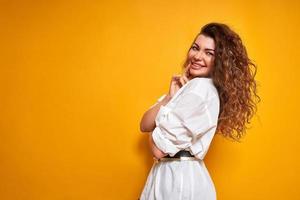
(204, 49)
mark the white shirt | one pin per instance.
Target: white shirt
(187, 122)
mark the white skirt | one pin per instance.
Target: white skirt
(179, 180)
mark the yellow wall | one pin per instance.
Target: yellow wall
(75, 79)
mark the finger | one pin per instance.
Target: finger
(176, 78)
(182, 81)
(173, 79)
(185, 78)
(185, 75)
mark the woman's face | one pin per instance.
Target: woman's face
(201, 57)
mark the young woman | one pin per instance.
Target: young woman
(215, 94)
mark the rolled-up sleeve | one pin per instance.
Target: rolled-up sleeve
(158, 100)
(183, 126)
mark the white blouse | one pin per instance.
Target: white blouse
(187, 122)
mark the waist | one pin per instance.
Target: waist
(180, 154)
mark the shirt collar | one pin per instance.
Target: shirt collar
(205, 78)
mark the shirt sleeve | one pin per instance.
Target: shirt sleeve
(184, 125)
(158, 100)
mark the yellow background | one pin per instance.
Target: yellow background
(76, 77)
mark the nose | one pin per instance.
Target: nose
(199, 55)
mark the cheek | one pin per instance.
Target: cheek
(210, 62)
(191, 54)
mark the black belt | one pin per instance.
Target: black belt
(181, 153)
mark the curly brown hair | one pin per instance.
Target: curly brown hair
(233, 75)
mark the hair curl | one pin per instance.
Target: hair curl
(233, 77)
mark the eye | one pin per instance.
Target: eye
(209, 53)
(194, 48)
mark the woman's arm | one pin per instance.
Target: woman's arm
(157, 153)
(147, 123)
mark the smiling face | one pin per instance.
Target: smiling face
(201, 57)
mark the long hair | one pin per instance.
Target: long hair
(233, 75)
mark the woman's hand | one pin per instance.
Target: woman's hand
(177, 82)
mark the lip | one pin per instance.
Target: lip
(196, 66)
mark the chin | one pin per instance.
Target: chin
(198, 74)
(204, 72)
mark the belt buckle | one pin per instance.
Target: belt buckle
(177, 159)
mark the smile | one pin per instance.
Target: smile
(196, 66)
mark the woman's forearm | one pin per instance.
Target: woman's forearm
(157, 153)
(147, 123)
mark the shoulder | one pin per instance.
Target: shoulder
(202, 86)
